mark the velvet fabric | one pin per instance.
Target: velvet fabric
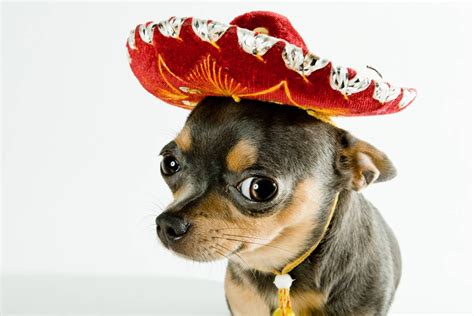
(185, 69)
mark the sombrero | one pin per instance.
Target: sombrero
(260, 56)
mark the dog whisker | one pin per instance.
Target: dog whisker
(158, 206)
(256, 243)
(238, 256)
(231, 235)
(239, 228)
(147, 217)
(219, 253)
(229, 228)
(230, 251)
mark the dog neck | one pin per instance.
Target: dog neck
(292, 246)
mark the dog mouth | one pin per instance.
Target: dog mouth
(206, 253)
(192, 240)
(204, 247)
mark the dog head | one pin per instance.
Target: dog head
(253, 181)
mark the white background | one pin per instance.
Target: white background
(81, 137)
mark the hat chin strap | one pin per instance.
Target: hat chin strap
(283, 280)
(321, 116)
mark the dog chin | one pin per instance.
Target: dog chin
(198, 256)
(194, 253)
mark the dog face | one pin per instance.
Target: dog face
(253, 181)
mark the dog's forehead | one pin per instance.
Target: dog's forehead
(238, 135)
(219, 125)
(225, 120)
(223, 141)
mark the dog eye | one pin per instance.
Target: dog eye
(258, 189)
(169, 165)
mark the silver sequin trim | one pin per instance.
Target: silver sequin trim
(131, 39)
(408, 96)
(209, 31)
(128, 56)
(188, 103)
(254, 43)
(258, 44)
(171, 27)
(385, 93)
(146, 33)
(190, 90)
(295, 60)
(340, 81)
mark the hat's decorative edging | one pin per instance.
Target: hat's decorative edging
(258, 44)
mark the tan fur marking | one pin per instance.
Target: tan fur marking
(365, 157)
(208, 215)
(182, 191)
(308, 303)
(288, 230)
(241, 156)
(183, 140)
(266, 243)
(244, 299)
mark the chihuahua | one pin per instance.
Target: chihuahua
(254, 182)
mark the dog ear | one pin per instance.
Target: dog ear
(362, 162)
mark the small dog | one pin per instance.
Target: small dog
(254, 182)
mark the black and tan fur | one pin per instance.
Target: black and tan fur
(356, 268)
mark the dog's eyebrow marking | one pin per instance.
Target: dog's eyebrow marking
(184, 192)
(241, 156)
(183, 140)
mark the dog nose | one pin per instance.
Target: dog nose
(171, 227)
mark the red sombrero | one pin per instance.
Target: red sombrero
(259, 55)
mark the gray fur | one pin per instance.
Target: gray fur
(358, 262)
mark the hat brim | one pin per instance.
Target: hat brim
(183, 60)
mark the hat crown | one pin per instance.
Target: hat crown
(277, 25)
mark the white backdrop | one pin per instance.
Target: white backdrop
(81, 137)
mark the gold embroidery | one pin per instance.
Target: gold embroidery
(215, 82)
(283, 84)
(173, 95)
(209, 72)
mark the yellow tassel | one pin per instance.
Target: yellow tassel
(283, 283)
(283, 280)
(284, 304)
